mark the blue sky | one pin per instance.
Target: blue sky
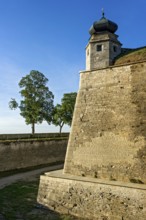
(50, 36)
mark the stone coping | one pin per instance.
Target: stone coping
(112, 66)
(60, 175)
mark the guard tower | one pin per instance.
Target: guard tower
(103, 45)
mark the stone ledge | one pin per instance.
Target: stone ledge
(59, 174)
(112, 66)
(92, 199)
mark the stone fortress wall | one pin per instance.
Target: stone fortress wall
(107, 140)
(24, 154)
(91, 198)
(104, 176)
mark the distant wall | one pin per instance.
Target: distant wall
(30, 136)
(23, 154)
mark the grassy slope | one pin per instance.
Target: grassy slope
(18, 201)
(131, 56)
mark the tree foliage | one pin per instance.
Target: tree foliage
(63, 113)
(59, 116)
(13, 104)
(37, 102)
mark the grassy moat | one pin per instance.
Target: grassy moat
(18, 202)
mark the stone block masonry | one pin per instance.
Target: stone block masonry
(104, 176)
(108, 137)
(24, 154)
(91, 198)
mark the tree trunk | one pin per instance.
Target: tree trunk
(33, 128)
(61, 126)
(60, 130)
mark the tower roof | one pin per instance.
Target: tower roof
(103, 25)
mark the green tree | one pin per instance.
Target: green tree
(59, 116)
(13, 104)
(37, 102)
(63, 113)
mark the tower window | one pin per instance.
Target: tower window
(99, 47)
(114, 48)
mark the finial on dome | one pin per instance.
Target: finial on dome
(103, 12)
(103, 25)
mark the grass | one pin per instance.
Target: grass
(131, 56)
(34, 139)
(18, 202)
(17, 199)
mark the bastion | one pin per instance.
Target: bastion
(104, 175)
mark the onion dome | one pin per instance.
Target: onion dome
(103, 25)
